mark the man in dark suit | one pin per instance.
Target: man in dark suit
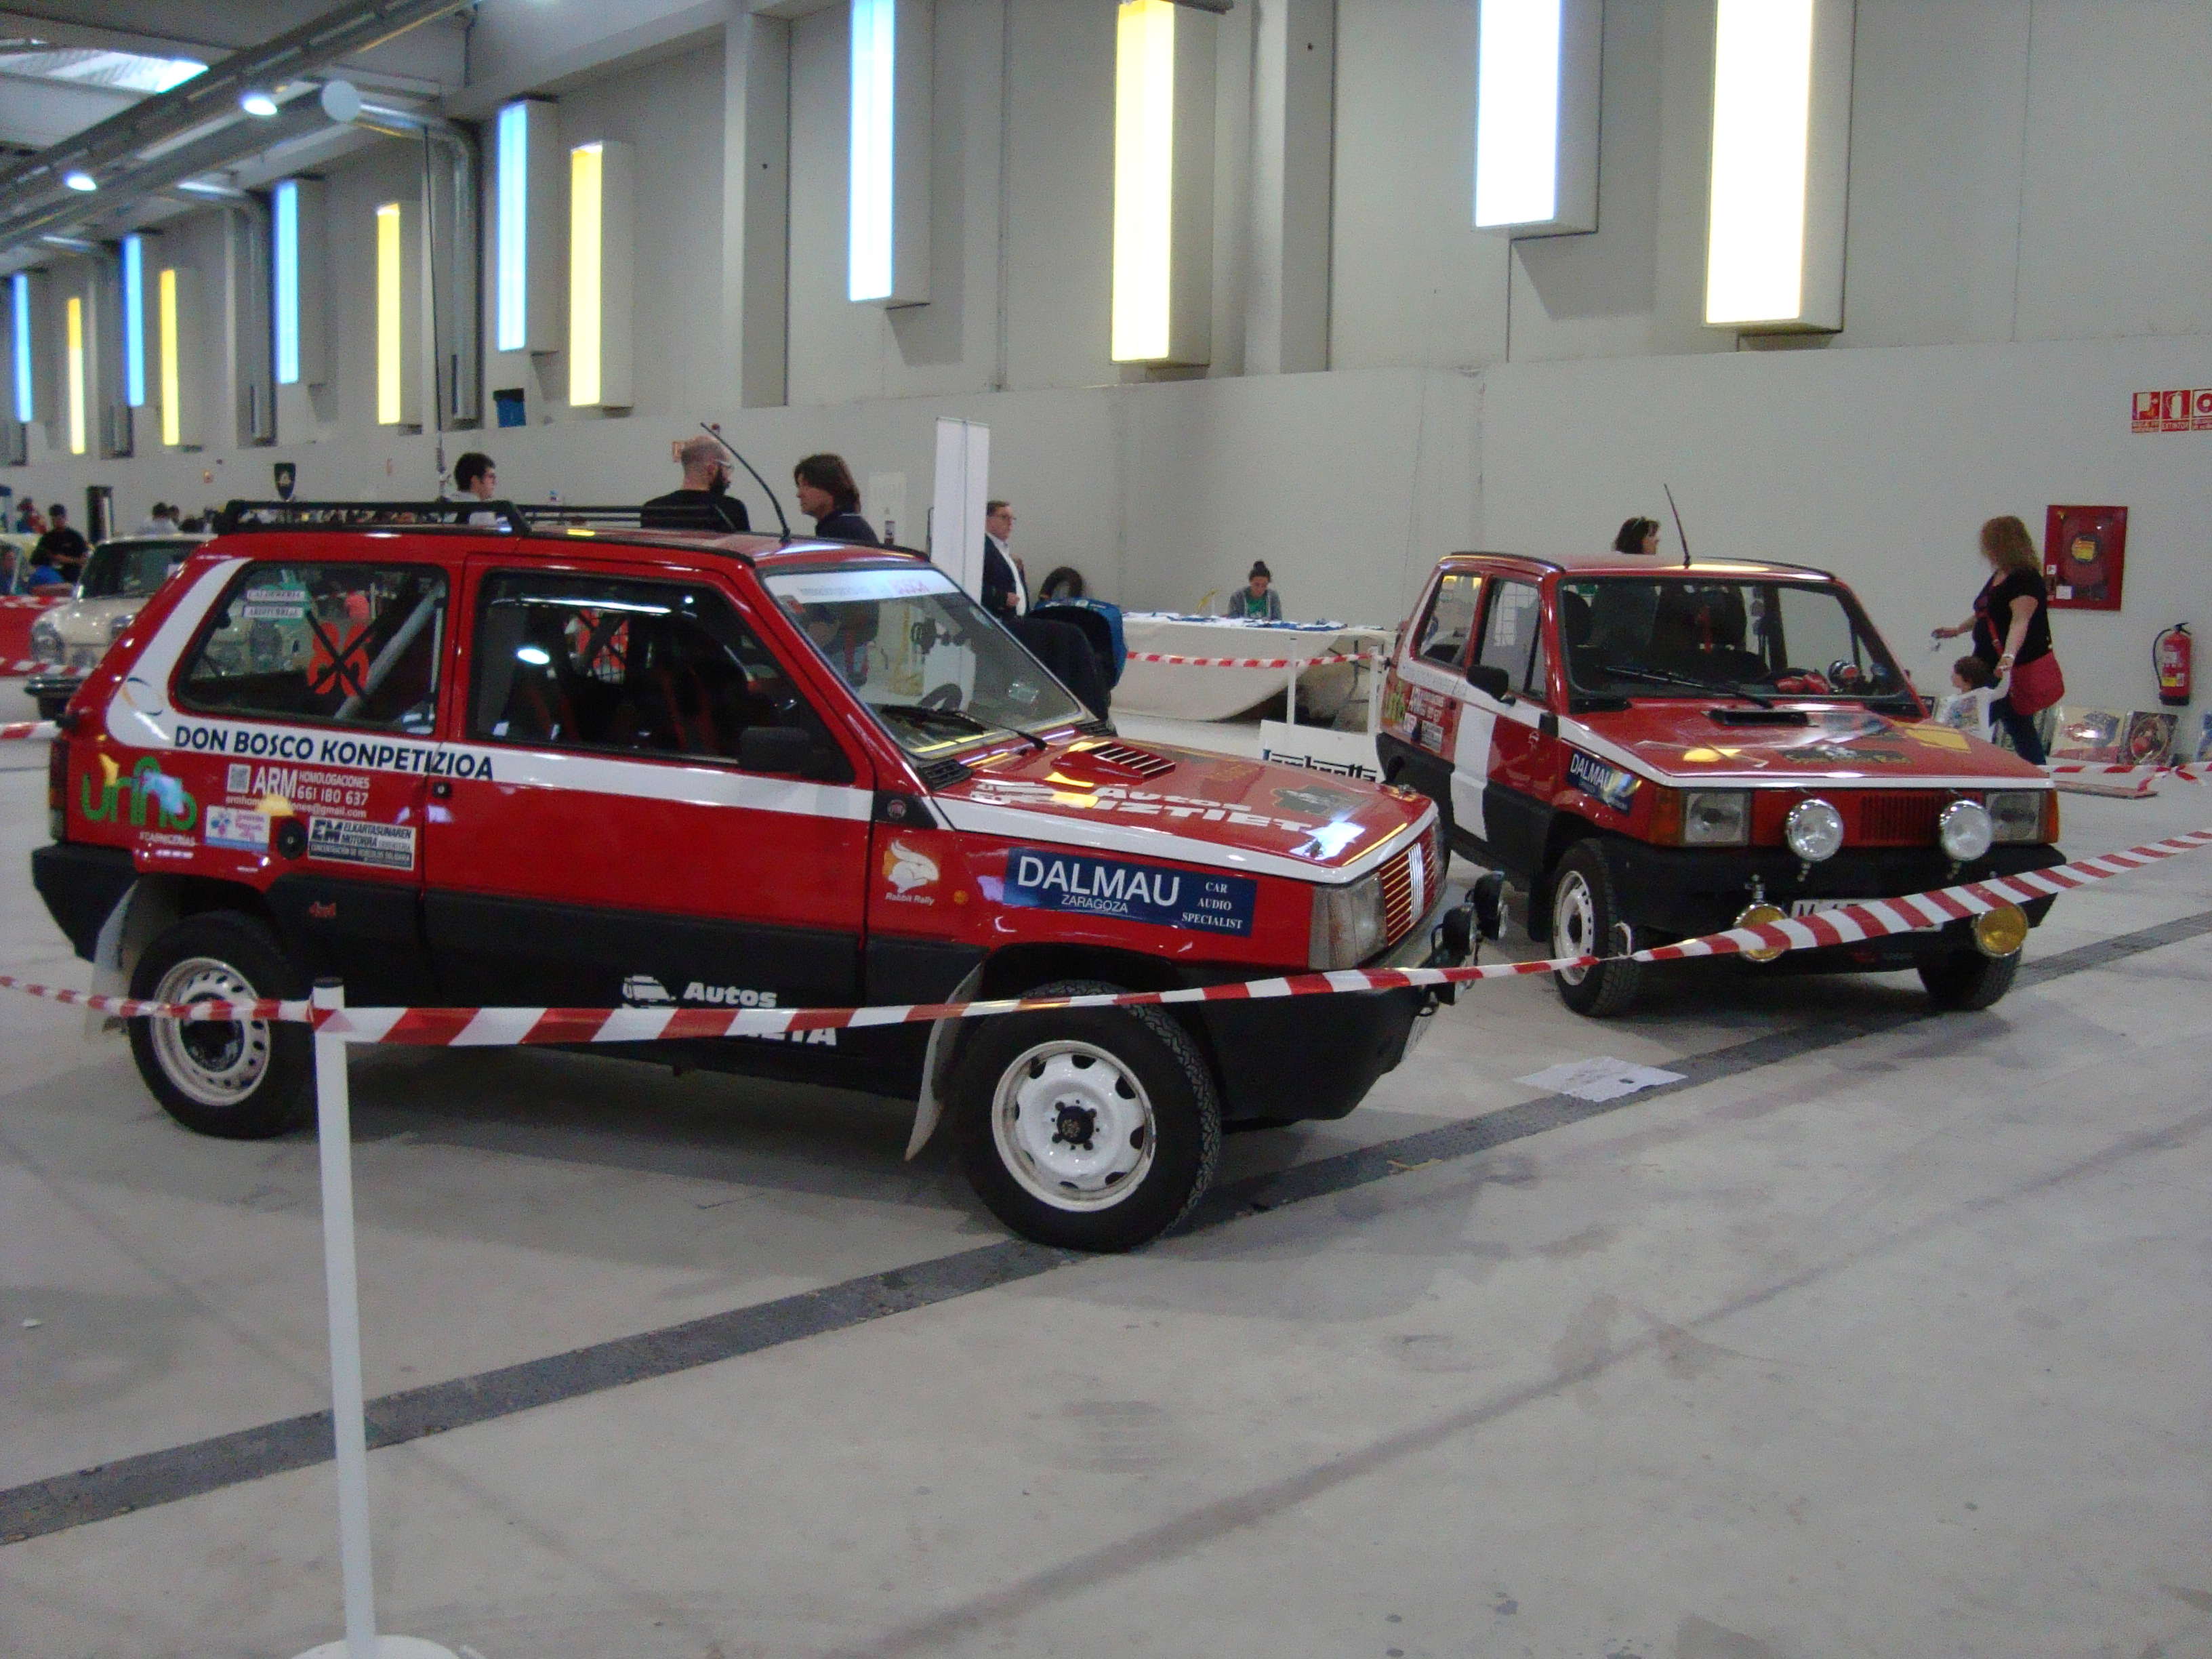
(1005, 593)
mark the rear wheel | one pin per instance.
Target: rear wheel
(1087, 1128)
(1963, 981)
(1586, 921)
(243, 1080)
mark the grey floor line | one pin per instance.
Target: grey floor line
(108, 1490)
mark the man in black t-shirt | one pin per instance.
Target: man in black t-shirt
(60, 547)
(704, 502)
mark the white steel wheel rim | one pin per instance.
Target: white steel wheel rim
(1074, 1125)
(216, 1062)
(1574, 923)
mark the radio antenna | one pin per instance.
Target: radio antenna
(1679, 533)
(714, 432)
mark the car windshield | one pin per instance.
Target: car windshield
(1694, 635)
(131, 570)
(930, 663)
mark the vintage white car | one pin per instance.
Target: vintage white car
(68, 641)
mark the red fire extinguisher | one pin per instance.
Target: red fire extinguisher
(2170, 653)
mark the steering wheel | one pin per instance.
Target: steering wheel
(947, 695)
(1845, 676)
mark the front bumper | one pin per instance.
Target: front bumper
(1316, 1057)
(1682, 892)
(54, 682)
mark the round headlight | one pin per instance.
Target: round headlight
(1813, 830)
(116, 626)
(1965, 830)
(46, 641)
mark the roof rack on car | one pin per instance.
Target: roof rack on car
(240, 515)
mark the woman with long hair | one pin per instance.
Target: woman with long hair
(2011, 626)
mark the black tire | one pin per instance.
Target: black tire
(1585, 915)
(1153, 1072)
(243, 1081)
(1965, 982)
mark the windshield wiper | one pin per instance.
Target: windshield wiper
(1660, 677)
(925, 714)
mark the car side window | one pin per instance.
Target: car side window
(645, 668)
(352, 644)
(1511, 632)
(1450, 619)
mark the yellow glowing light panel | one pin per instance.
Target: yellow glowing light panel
(172, 377)
(1762, 126)
(1144, 178)
(76, 312)
(586, 272)
(391, 351)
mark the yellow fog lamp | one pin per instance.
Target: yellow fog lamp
(1762, 915)
(2001, 932)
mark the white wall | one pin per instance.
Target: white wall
(1879, 466)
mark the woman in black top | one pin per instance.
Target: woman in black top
(2011, 623)
(828, 495)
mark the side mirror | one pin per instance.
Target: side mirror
(774, 749)
(1492, 681)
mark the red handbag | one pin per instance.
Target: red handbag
(2037, 685)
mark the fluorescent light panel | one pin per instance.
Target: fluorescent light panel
(73, 342)
(599, 211)
(134, 321)
(511, 208)
(1774, 221)
(391, 317)
(1536, 115)
(1144, 178)
(887, 197)
(285, 288)
(168, 317)
(27, 408)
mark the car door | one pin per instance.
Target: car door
(1515, 808)
(613, 851)
(1427, 713)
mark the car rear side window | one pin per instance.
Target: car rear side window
(1450, 619)
(646, 668)
(352, 644)
(1511, 634)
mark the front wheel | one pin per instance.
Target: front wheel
(1586, 921)
(245, 1079)
(1963, 981)
(1087, 1128)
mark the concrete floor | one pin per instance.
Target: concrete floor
(1884, 1335)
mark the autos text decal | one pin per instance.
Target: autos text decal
(430, 759)
(1609, 784)
(1040, 878)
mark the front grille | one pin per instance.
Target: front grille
(1898, 818)
(1409, 884)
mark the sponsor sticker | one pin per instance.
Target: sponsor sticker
(1608, 784)
(1045, 879)
(237, 826)
(346, 841)
(907, 868)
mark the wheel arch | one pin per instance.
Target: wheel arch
(158, 902)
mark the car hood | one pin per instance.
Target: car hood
(1187, 804)
(85, 621)
(1687, 744)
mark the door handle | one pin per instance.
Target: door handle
(441, 789)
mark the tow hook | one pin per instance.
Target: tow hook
(1457, 938)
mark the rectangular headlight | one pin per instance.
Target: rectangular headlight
(2016, 815)
(1716, 817)
(1348, 924)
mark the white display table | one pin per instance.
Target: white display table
(1180, 692)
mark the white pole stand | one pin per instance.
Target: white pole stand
(334, 1130)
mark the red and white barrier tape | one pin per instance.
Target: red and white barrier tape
(29, 731)
(1250, 662)
(20, 667)
(2187, 771)
(508, 1027)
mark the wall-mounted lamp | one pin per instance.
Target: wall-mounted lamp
(527, 184)
(1536, 115)
(134, 320)
(25, 294)
(1782, 97)
(599, 231)
(295, 286)
(73, 369)
(172, 291)
(1163, 183)
(398, 339)
(887, 243)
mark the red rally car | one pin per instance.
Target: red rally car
(591, 767)
(1656, 751)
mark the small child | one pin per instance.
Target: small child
(1976, 686)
